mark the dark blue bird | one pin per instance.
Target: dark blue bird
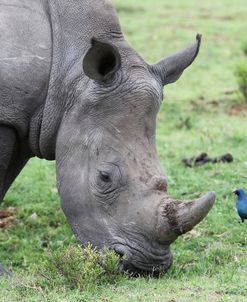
(241, 204)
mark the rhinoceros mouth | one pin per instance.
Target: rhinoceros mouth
(138, 262)
(139, 269)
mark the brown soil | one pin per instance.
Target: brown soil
(7, 217)
(214, 17)
(237, 110)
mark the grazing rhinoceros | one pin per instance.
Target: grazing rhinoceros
(73, 90)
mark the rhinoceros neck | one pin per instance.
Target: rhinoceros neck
(74, 23)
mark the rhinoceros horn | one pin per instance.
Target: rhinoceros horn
(171, 68)
(178, 217)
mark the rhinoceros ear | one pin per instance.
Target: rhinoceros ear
(101, 61)
(171, 69)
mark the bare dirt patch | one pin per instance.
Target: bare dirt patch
(214, 17)
(238, 110)
(7, 217)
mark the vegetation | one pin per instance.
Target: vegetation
(245, 48)
(201, 113)
(241, 73)
(78, 268)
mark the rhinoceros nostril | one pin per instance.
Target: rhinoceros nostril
(120, 251)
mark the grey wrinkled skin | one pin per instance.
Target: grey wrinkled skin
(74, 91)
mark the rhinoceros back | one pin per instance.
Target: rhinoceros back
(25, 59)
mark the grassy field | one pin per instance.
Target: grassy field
(202, 113)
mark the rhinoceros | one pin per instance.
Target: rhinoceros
(74, 91)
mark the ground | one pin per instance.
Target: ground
(202, 112)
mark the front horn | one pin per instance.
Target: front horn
(189, 214)
(179, 217)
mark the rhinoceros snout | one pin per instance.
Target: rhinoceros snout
(150, 255)
(140, 265)
(142, 269)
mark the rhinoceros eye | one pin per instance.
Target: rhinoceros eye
(104, 176)
(107, 180)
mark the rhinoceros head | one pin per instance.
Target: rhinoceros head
(111, 183)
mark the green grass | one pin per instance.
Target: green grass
(241, 74)
(210, 263)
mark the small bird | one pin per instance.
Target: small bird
(241, 204)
